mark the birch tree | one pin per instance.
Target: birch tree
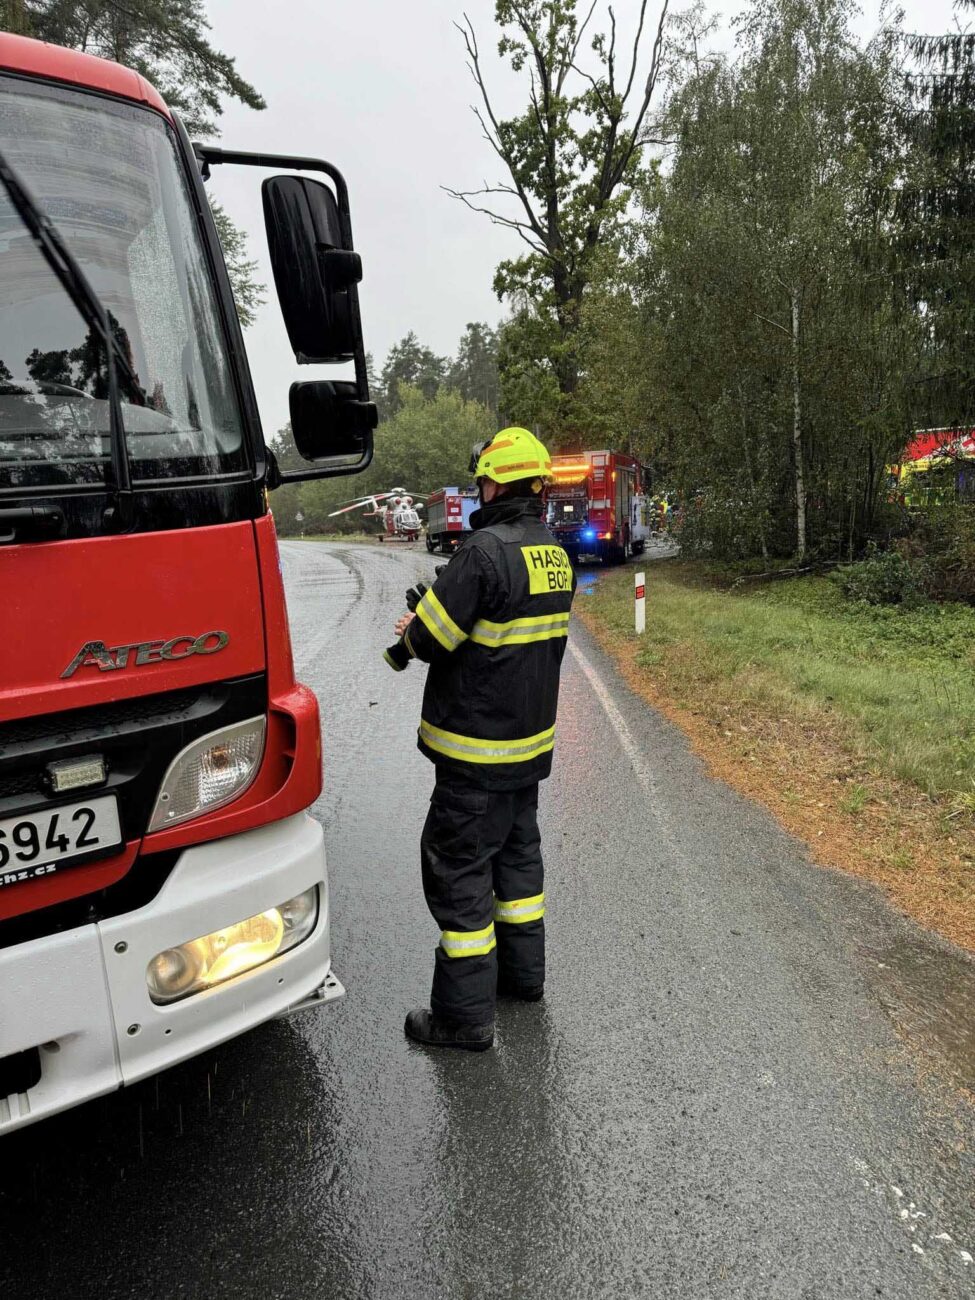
(776, 353)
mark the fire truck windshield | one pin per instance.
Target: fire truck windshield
(109, 178)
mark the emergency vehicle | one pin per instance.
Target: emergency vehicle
(162, 886)
(949, 451)
(449, 513)
(595, 506)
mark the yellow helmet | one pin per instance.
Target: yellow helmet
(511, 455)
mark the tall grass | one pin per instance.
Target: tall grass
(898, 684)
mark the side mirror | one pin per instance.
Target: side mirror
(316, 273)
(332, 429)
(315, 269)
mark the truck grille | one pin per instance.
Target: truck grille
(99, 719)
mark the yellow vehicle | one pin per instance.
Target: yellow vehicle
(922, 477)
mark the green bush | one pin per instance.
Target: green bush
(944, 537)
(719, 528)
(883, 578)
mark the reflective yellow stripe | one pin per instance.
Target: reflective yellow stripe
(520, 910)
(487, 744)
(520, 631)
(470, 749)
(468, 943)
(449, 623)
(438, 622)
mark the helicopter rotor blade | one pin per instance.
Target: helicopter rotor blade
(356, 505)
(354, 501)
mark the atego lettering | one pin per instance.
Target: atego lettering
(548, 569)
(136, 654)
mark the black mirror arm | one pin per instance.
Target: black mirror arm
(211, 156)
(325, 471)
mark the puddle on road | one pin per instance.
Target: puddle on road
(929, 993)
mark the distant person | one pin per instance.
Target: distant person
(493, 629)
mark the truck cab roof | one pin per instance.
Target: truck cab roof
(33, 58)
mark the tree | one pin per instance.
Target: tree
(412, 364)
(529, 391)
(474, 371)
(775, 350)
(425, 445)
(569, 157)
(616, 402)
(164, 40)
(936, 207)
(248, 293)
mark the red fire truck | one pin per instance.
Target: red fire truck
(449, 512)
(594, 505)
(162, 886)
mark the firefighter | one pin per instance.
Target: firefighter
(493, 629)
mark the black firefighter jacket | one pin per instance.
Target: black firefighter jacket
(493, 629)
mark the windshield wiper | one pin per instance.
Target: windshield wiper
(119, 515)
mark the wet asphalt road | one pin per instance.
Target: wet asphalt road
(741, 1082)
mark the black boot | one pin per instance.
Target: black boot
(426, 1028)
(509, 988)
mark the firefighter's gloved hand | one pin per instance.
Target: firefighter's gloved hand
(397, 656)
(415, 595)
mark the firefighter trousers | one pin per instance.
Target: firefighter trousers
(480, 853)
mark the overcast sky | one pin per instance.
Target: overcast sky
(380, 88)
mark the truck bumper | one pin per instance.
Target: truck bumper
(81, 996)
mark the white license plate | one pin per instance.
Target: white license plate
(36, 844)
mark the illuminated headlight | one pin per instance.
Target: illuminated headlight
(209, 773)
(215, 958)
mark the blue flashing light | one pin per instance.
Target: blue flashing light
(589, 534)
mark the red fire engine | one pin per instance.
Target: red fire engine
(594, 506)
(449, 512)
(162, 886)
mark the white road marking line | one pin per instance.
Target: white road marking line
(616, 720)
(642, 768)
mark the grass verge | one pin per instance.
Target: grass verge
(854, 725)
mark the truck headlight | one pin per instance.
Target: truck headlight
(209, 773)
(215, 958)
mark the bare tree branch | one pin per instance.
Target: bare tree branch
(520, 228)
(776, 324)
(587, 76)
(470, 41)
(533, 97)
(569, 58)
(611, 57)
(634, 134)
(636, 51)
(491, 139)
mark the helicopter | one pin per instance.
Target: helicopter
(396, 509)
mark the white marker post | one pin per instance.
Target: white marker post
(640, 601)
